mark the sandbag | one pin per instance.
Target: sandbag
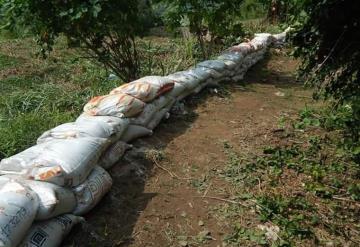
(54, 200)
(211, 72)
(150, 109)
(116, 124)
(230, 65)
(23, 158)
(18, 206)
(117, 105)
(78, 130)
(230, 56)
(143, 91)
(177, 90)
(217, 65)
(89, 193)
(113, 154)
(200, 73)
(164, 83)
(64, 162)
(163, 113)
(243, 48)
(186, 79)
(50, 233)
(134, 132)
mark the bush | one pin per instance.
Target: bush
(327, 39)
(214, 19)
(106, 30)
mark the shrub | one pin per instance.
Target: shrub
(106, 30)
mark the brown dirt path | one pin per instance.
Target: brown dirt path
(161, 203)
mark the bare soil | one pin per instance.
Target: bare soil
(163, 198)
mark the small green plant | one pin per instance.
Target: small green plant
(241, 235)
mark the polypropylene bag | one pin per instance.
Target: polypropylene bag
(150, 109)
(211, 72)
(243, 48)
(230, 66)
(163, 113)
(54, 200)
(200, 73)
(164, 83)
(217, 65)
(143, 91)
(78, 130)
(64, 162)
(18, 206)
(116, 124)
(113, 154)
(50, 233)
(23, 158)
(117, 105)
(90, 192)
(186, 79)
(230, 56)
(135, 131)
(177, 90)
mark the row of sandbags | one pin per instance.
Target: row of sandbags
(46, 188)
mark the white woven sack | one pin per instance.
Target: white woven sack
(143, 90)
(186, 79)
(163, 113)
(177, 90)
(89, 193)
(160, 81)
(150, 109)
(64, 162)
(202, 74)
(231, 56)
(116, 105)
(78, 130)
(113, 154)
(134, 132)
(217, 65)
(117, 125)
(50, 233)
(211, 72)
(18, 206)
(54, 200)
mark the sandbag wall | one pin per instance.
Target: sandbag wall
(45, 189)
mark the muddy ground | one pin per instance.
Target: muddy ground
(165, 198)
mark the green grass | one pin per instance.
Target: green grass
(309, 189)
(37, 94)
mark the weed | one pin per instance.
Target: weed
(303, 187)
(241, 236)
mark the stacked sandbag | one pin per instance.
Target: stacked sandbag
(65, 162)
(19, 205)
(90, 192)
(79, 130)
(50, 233)
(45, 188)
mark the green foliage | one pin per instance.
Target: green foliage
(241, 235)
(105, 29)
(303, 187)
(37, 95)
(216, 17)
(282, 10)
(326, 38)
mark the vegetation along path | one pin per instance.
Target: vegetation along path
(190, 187)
